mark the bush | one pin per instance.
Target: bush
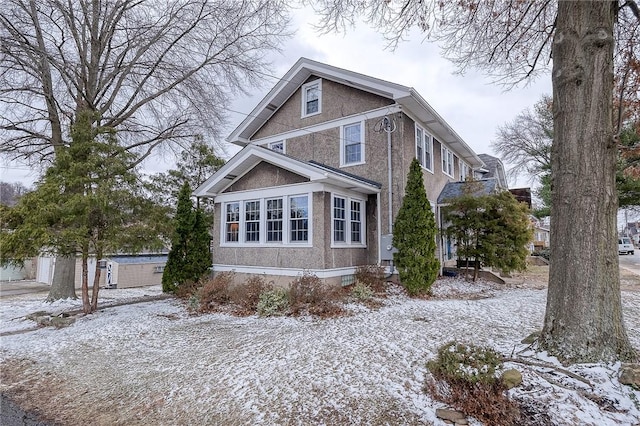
(464, 377)
(361, 291)
(372, 276)
(466, 362)
(246, 296)
(273, 302)
(545, 253)
(308, 293)
(307, 288)
(215, 291)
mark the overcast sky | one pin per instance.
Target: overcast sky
(471, 104)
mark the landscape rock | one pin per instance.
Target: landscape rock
(512, 378)
(630, 375)
(450, 415)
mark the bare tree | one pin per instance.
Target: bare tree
(155, 71)
(513, 41)
(10, 193)
(526, 141)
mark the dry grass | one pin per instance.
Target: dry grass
(537, 277)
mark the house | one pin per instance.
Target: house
(493, 168)
(322, 174)
(541, 235)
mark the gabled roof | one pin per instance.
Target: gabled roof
(407, 97)
(252, 155)
(454, 190)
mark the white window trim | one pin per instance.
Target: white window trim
(464, 170)
(363, 224)
(343, 144)
(449, 161)
(317, 82)
(286, 236)
(284, 145)
(426, 142)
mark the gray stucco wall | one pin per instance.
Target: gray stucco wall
(338, 101)
(265, 175)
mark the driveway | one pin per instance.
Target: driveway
(14, 288)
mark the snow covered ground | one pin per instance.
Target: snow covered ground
(154, 363)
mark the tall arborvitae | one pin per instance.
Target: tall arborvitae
(414, 236)
(189, 257)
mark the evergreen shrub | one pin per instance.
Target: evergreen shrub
(273, 302)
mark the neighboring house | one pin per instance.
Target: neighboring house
(117, 271)
(322, 174)
(493, 168)
(541, 234)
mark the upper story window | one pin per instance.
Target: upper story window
(352, 144)
(347, 221)
(277, 146)
(312, 98)
(424, 148)
(447, 161)
(464, 170)
(266, 221)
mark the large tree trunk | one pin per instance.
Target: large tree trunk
(583, 320)
(63, 284)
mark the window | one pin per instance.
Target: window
(262, 221)
(424, 148)
(347, 224)
(339, 219)
(420, 145)
(352, 146)
(312, 98)
(447, 162)
(232, 221)
(277, 146)
(274, 220)
(356, 222)
(252, 220)
(299, 218)
(464, 170)
(158, 269)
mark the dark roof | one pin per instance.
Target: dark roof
(491, 164)
(345, 174)
(455, 189)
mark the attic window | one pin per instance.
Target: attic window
(312, 98)
(277, 146)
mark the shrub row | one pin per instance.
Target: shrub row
(307, 294)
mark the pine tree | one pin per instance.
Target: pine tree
(189, 257)
(492, 230)
(414, 236)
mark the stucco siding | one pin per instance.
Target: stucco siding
(265, 175)
(338, 101)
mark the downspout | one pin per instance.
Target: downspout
(389, 127)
